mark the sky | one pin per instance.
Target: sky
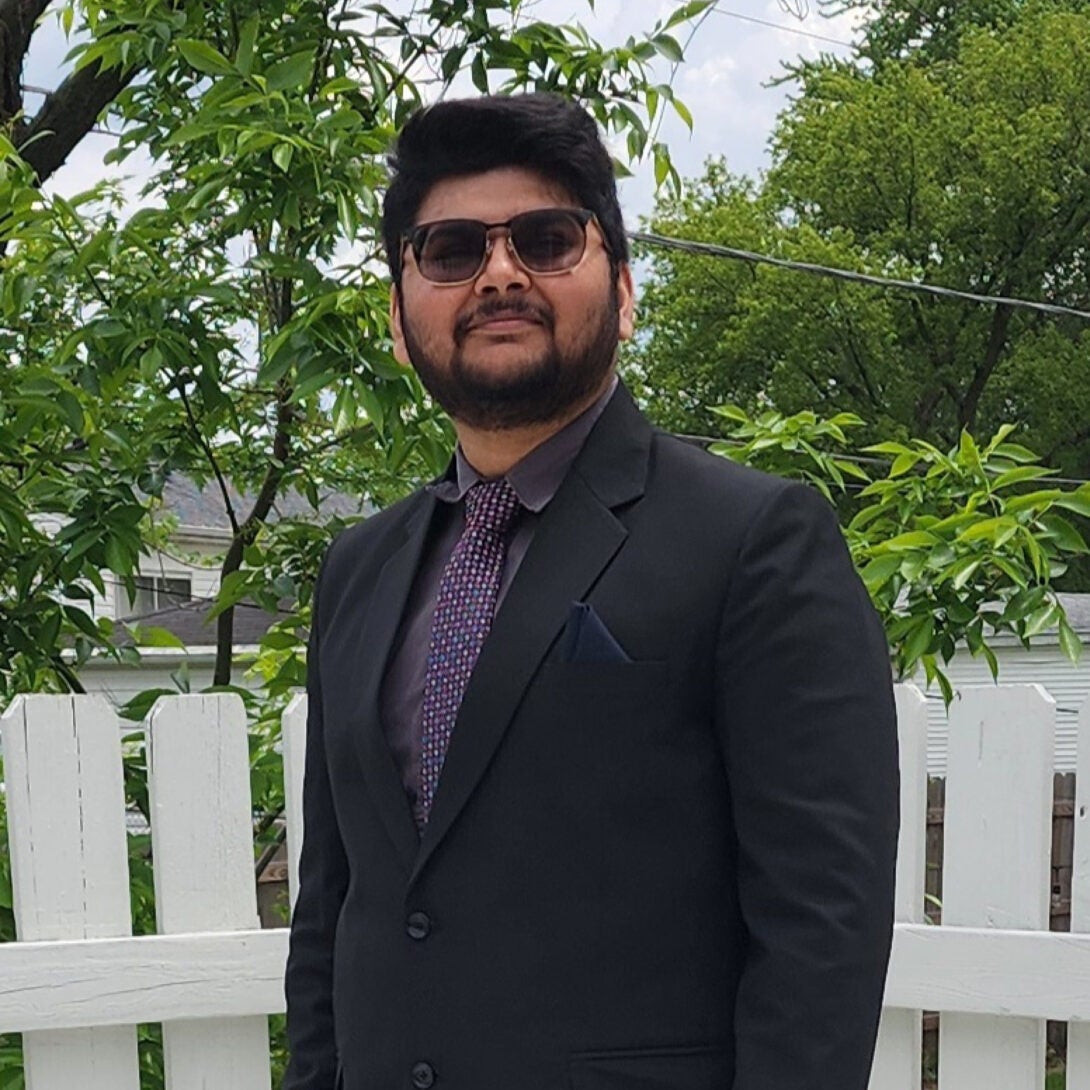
(724, 82)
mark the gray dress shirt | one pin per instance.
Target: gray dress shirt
(535, 480)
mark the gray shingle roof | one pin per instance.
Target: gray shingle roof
(191, 624)
(1077, 608)
(202, 505)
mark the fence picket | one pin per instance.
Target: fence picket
(998, 833)
(293, 736)
(1078, 1034)
(202, 842)
(900, 1032)
(69, 866)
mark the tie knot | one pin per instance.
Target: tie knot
(491, 506)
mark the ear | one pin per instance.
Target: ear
(626, 303)
(397, 331)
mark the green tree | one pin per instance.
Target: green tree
(932, 29)
(971, 172)
(235, 327)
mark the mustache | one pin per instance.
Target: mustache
(514, 308)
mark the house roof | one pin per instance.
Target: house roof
(194, 504)
(191, 624)
(1077, 608)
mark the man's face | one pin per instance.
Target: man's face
(510, 347)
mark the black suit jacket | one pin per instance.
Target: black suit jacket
(674, 873)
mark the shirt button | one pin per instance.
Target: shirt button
(418, 926)
(423, 1076)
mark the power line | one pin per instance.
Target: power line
(782, 26)
(714, 250)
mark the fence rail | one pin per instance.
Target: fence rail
(77, 983)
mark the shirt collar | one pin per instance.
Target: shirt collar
(538, 475)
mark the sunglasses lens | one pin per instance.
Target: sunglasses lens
(452, 251)
(548, 241)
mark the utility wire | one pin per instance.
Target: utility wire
(714, 250)
(781, 26)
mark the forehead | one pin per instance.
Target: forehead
(493, 196)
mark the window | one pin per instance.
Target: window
(153, 592)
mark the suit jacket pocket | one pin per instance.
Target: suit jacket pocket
(612, 680)
(593, 701)
(687, 1067)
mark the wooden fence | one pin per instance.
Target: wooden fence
(77, 983)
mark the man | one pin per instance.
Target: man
(601, 780)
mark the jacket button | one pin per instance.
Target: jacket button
(423, 1076)
(418, 926)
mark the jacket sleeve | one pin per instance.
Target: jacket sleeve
(323, 880)
(808, 727)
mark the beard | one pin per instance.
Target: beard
(536, 391)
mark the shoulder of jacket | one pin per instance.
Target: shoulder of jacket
(721, 477)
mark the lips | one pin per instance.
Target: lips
(501, 322)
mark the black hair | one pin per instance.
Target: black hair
(546, 133)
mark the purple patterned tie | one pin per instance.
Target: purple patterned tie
(463, 616)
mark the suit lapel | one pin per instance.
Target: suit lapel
(576, 539)
(378, 634)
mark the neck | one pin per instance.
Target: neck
(493, 453)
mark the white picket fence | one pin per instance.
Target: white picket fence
(77, 983)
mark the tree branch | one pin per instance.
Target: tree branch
(266, 497)
(18, 18)
(69, 114)
(210, 454)
(997, 342)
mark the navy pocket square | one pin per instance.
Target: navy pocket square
(586, 638)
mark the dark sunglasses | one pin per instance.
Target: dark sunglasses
(544, 242)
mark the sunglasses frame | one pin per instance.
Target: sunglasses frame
(415, 238)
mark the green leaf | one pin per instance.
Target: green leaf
(998, 529)
(902, 464)
(1041, 619)
(279, 640)
(880, 570)
(1021, 473)
(669, 47)
(687, 12)
(152, 636)
(281, 155)
(1015, 453)
(291, 73)
(205, 59)
(965, 574)
(1064, 534)
(914, 539)
(1069, 640)
(479, 72)
(918, 640)
(247, 38)
(662, 163)
(887, 448)
(682, 111)
(1078, 501)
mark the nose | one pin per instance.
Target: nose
(502, 271)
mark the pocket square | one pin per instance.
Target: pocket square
(586, 638)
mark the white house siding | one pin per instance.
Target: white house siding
(120, 683)
(195, 554)
(1044, 664)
